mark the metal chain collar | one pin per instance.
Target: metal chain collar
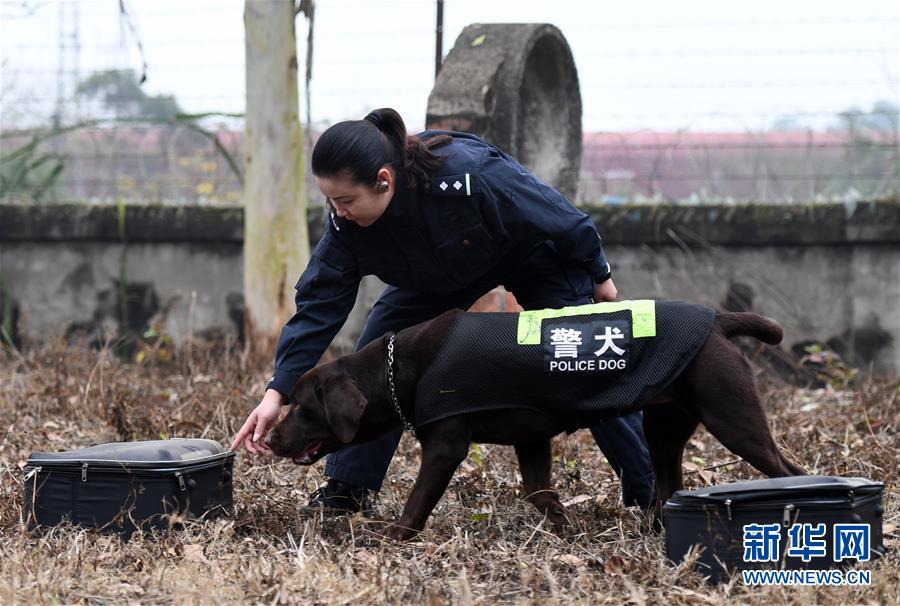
(390, 370)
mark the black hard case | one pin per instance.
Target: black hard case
(714, 517)
(126, 486)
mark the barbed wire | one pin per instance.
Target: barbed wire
(407, 60)
(611, 87)
(150, 10)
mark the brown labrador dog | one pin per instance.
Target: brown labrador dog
(349, 401)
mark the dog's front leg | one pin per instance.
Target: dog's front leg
(534, 463)
(445, 444)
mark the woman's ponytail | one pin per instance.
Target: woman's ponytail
(355, 147)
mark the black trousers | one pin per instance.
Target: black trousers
(541, 282)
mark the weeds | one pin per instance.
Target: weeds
(483, 545)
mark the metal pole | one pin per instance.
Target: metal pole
(439, 38)
(60, 76)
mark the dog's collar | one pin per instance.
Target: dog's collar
(390, 376)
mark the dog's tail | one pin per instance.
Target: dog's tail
(738, 324)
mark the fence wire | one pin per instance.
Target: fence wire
(74, 129)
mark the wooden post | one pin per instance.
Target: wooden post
(276, 242)
(439, 38)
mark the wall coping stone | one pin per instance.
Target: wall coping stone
(694, 225)
(100, 223)
(750, 224)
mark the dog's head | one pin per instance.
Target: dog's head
(326, 407)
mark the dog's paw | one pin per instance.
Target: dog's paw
(554, 511)
(557, 516)
(396, 532)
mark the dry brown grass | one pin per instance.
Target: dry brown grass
(483, 545)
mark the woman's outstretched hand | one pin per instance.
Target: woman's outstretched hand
(263, 417)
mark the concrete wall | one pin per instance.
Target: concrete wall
(71, 268)
(827, 273)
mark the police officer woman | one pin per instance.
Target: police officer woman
(442, 218)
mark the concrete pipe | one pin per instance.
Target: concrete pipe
(516, 86)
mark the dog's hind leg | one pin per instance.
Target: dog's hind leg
(744, 431)
(534, 463)
(723, 391)
(445, 444)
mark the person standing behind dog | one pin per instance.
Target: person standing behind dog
(442, 218)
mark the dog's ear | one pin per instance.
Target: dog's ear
(344, 404)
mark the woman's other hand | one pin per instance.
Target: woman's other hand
(605, 291)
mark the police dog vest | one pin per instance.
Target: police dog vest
(582, 364)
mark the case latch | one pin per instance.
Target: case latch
(786, 520)
(728, 508)
(31, 473)
(84, 467)
(181, 483)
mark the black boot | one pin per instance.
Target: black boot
(337, 498)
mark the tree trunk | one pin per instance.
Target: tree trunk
(276, 242)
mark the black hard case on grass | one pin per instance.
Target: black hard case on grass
(714, 517)
(126, 486)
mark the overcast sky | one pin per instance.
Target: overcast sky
(654, 64)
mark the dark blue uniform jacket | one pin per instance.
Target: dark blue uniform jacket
(482, 212)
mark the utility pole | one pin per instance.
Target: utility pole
(67, 78)
(69, 49)
(439, 38)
